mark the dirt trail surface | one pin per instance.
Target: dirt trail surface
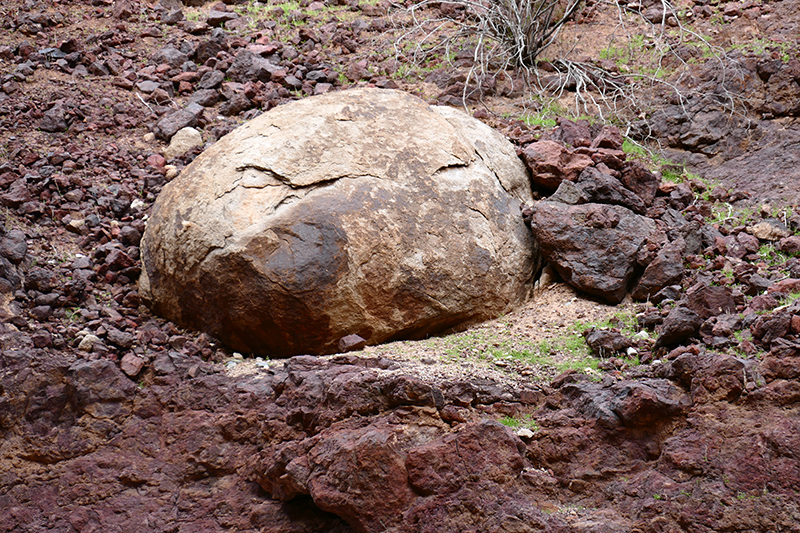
(112, 419)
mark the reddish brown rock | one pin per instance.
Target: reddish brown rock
(486, 451)
(665, 270)
(790, 245)
(360, 474)
(786, 286)
(763, 302)
(350, 343)
(550, 162)
(795, 324)
(122, 10)
(641, 181)
(605, 343)
(648, 402)
(770, 327)
(680, 324)
(601, 188)
(609, 137)
(131, 364)
(575, 133)
(710, 300)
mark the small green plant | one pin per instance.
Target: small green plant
(526, 422)
(539, 119)
(673, 175)
(631, 148)
(546, 116)
(759, 47)
(288, 7)
(658, 497)
(669, 170)
(725, 214)
(772, 256)
(635, 48)
(73, 314)
(792, 297)
(625, 320)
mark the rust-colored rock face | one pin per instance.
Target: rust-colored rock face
(362, 212)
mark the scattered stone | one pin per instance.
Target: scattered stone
(184, 140)
(680, 324)
(609, 137)
(646, 402)
(54, 119)
(756, 284)
(236, 105)
(41, 312)
(168, 126)
(664, 271)
(170, 56)
(769, 230)
(122, 10)
(790, 245)
(351, 343)
(771, 327)
(600, 188)
(248, 66)
(709, 300)
(172, 17)
(131, 364)
(641, 181)
(120, 338)
(211, 80)
(785, 286)
(14, 246)
(147, 86)
(88, 342)
(219, 18)
(205, 97)
(606, 343)
(42, 339)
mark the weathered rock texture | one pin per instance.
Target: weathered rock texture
(592, 246)
(365, 444)
(361, 212)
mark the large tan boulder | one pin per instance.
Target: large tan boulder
(358, 212)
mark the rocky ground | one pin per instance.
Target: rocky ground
(679, 415)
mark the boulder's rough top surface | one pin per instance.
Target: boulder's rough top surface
(361, 212)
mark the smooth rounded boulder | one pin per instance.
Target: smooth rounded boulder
(361, 212)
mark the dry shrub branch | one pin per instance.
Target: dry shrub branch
(518, 36)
